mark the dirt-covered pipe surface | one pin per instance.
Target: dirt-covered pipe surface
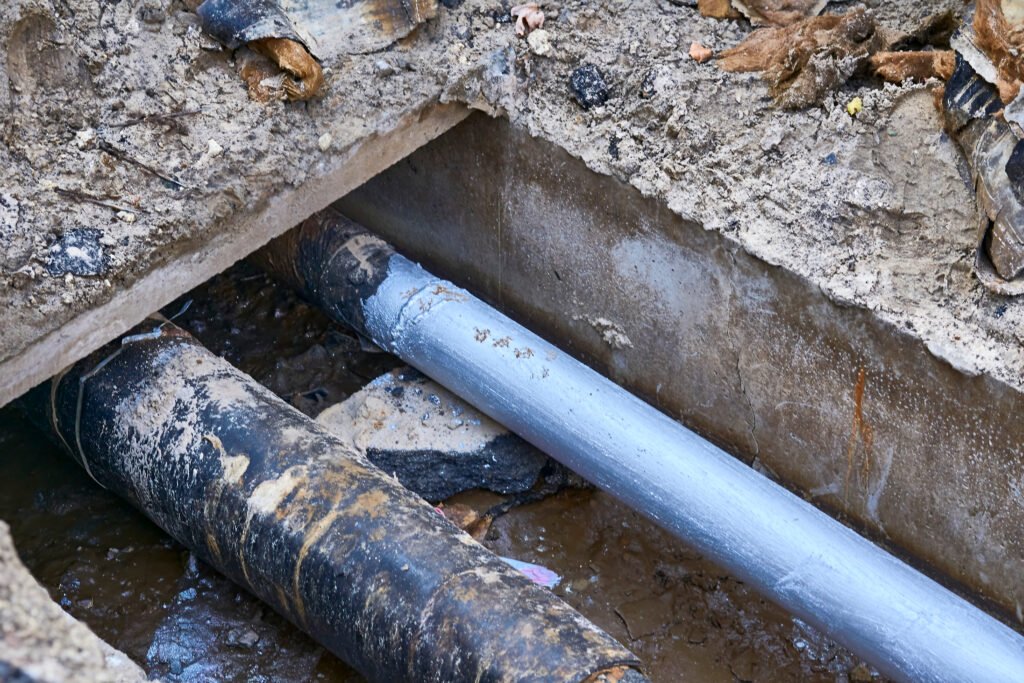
(285, 509)
(909, 626)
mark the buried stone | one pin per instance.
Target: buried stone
(588, 86)
(77, 252)
(433, 442)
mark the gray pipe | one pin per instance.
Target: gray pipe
(907, 625)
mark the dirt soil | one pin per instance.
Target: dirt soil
(40, 642)
(872, 208)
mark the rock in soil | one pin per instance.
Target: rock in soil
(435, 443)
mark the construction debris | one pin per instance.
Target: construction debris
(778, 12)
(294, 34)
(542, 576)
(992, 140)
(804, 62)
(588, 86)
(539, 41)
(77, 252)
(434, 442)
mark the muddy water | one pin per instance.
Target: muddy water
(145, 594)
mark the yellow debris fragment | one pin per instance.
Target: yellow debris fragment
(854, 106)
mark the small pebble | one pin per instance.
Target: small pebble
(539, 41)
(213, 148)
(699, 53)
(383, 68)
(85, 139)
(126, 216)
(325, 142)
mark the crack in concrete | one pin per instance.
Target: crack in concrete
(751, 419)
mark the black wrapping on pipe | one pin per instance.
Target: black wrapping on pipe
(333, 262)
(282, 507)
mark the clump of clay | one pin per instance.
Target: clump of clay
(699, 53)
(804, 62)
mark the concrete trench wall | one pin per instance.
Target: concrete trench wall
(857, 415)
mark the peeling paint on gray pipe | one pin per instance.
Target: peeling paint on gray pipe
(907, 625)
(285, 509)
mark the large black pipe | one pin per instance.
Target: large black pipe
(286, 510)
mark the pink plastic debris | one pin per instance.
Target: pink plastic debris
(541, 576)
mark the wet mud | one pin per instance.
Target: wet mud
(181, 621)
(686, 618)
(278, 339)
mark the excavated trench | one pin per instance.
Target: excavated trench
(148, 596)
(824, 398)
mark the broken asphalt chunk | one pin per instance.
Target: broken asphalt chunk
(77, 252)
(588, 86)
(435, 443)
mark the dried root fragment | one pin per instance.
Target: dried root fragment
(897, 67)
(779, 12)
(264, 81)
(804, 62)
(528, 17)
(999, 33)
(305, 78)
